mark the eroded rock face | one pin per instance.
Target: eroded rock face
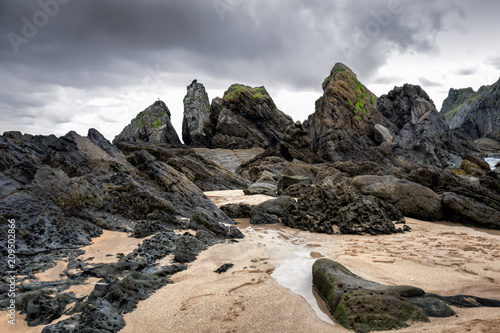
(196, 111)
(151, 125)
(339, 208)
(420, 133)
(343, 124)
(244, 118)
(477, 113)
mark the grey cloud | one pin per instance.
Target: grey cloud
(101, 46)
(495, 62)
(466, 71)
(428, 83)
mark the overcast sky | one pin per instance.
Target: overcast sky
(72, 65)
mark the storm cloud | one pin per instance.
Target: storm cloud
(65, 63)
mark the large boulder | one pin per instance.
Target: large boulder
(340, 208)
(412, 199)
(196, 111)
(269, 211)
(421, 134)
(244, 118)
(363, 305)
(266, 166)
(465, 201)
(152, 125)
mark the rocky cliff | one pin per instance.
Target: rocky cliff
(244, 118)
(420, 132)
(196, 111)
(478, 113)
(151, 125)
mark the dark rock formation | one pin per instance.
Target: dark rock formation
(266, 165)
(329, 209)
(62, 191)
(477, 113)
(366, 306)
(464, 201)
(412, 199)
(224, 268)
(296, 172)
(261, 188)
(237, 211)
(196, 112)
(244, 118)
(269, 211)
(205, 174)
(151, 125)
(420, 133)
(343, 124)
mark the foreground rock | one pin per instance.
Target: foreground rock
(151, 125)
(63, 191)
(365, 306)
(339, 208)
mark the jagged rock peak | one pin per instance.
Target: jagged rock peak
(339, 68)
(237, 89)
(244, 118)
(151, 125)
(196, 111)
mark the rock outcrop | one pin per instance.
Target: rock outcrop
(62, 192)
(339, 208)
(420, 132)
(196, 111)
(477, 113)
(205, 174)
(244, 118)
(152, 125)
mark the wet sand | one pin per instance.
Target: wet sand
(268, 289)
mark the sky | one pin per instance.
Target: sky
(73, 65)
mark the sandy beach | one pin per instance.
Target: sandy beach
(269, 287)
(441, 258)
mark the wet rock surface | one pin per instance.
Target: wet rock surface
(366, 306)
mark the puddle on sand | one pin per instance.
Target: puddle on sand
(295, 274)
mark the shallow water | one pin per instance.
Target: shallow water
(492, 161)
